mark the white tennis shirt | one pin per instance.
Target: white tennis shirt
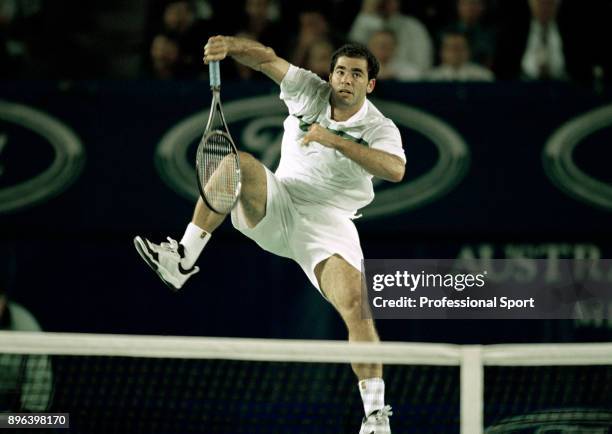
(317, 176)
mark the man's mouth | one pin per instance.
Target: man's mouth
(345, 92)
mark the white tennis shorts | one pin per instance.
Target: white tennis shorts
(288, 230)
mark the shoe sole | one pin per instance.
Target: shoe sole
(139, 243)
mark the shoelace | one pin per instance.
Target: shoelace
(171, 246)
(383, 413)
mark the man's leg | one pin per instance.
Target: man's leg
(341, 284)
(174, 262)
(205, 220)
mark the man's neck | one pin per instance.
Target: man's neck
(343, 114)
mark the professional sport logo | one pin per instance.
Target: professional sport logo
(39, 157)
(258, 127)
(559, 161)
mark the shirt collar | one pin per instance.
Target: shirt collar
(360, 115)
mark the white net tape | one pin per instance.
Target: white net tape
(472, 359)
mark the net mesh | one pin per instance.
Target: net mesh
(118, 384)
(218, 171)
(553, 399)
(26, 383)
(152, 395)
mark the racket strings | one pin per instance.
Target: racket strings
(219, 172)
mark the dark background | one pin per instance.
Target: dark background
(77, 271)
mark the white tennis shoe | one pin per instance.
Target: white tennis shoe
(377, 422)
(165, 260)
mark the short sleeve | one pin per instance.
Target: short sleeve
(303, 92)
(388, 139)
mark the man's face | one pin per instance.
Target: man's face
(389, 8)
(544, 11)
(349, 82)
(382, 45)
(318, 58)
(257, 9)
(470, 11)
(455, 51)
(178, 17)
(164, 52)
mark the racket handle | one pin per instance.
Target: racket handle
(215, 74)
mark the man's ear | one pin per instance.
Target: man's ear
(371, 85)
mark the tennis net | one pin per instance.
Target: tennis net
(155, 384)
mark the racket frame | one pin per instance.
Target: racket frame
(217, 108)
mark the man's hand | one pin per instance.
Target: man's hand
(316, 133)
(379, 163)
(217, 48)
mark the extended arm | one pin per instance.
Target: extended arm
(249, 53)
(379, 163)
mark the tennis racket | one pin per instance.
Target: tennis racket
(217, 161)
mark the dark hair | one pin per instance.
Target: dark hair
(386, 30)
(453, 31)
(358, 51)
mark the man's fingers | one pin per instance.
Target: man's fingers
(215, 49)
(212, 58)
(214, 53)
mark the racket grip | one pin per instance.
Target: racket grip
(215, 74)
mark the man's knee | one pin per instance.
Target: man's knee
(349, 303)
(250, 166)
(341, 283)
(254, 188)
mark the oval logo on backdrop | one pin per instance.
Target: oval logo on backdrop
(260, 122)
(39, 157)
(559, 162)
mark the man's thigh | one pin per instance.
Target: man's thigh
(340, 283)
(253, 196)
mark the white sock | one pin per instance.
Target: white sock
(194, 240)
(372, 392)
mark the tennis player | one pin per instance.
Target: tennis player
(334, 142)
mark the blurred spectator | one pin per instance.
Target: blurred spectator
(470, 21)
(313, 26)
(26, 382)
(176, 39)
(318, 57)
(543, 57)
(550, 39)
(166, 61)
(16, 22)
(456, 65)
(179, 17)
(181, 22)
(9, 62)
(414, 43)
(258, 22)
(383, 44)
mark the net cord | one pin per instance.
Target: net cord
(471, 358)
(291, 350)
